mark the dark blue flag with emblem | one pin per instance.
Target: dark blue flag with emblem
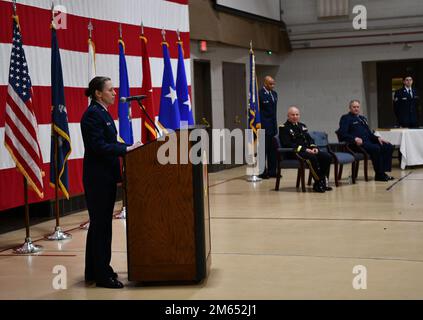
(185, 109)
(59, 123)
(124, 109)
(169, 115)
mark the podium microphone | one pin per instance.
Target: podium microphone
(132, 98)
(138, 99)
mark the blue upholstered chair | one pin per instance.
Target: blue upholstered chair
(359, 154)
(339, 158)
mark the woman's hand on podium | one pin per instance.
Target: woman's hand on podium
(134, 146)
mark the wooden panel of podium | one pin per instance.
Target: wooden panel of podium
(168, 221)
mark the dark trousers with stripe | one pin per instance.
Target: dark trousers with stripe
(319, 163)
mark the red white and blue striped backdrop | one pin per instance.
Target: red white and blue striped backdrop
(106, 15)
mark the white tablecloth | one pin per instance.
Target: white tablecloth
(410, 142)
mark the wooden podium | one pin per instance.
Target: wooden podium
(168, 221)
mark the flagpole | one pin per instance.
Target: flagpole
(28, 246)
(251, 175)
(85, 225)
(122, 213)
(58, 234)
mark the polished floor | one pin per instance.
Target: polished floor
(265, 245)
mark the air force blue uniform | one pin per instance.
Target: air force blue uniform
(100, 175)
(268, 113)
(405, 107)
(356, 126)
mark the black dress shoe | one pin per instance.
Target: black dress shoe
(389, 177)
(317, 187)
(88, 278)
(110, 283)
(264, 176)
(383, 177)
(324, 186)
(274, 176)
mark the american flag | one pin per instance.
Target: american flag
(21, 129)
(105, 16)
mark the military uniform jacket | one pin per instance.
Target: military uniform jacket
(268, 102)
(102, 150)
(355, 126)
(405, 106)
(295, 136)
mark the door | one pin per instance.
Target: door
(234, 99)
(202, 93)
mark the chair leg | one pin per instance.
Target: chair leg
(278, 178)
(357, 167)
(303, 180)
(309, 178)
(340, 172)
(366, 166)
(336, 171)
(298, 177)
(353, 171)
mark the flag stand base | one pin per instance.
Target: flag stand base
(58, 234)
(85, 225)
(121, 215)
(254, 178)
(28, 247)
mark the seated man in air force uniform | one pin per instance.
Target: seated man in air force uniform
(355, 129)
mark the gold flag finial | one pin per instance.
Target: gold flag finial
(164, 35)
(178, 34)
(142, 28)
(52, 15)
(120, 30)
(14, 7)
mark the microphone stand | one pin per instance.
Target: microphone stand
(148, 116)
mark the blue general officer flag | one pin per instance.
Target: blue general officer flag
(59, 123)
(124, 110)
(253, 105)
(184, 101)
(169, 115)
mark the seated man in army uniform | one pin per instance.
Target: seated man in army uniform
(354, 129)
(294, 134)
